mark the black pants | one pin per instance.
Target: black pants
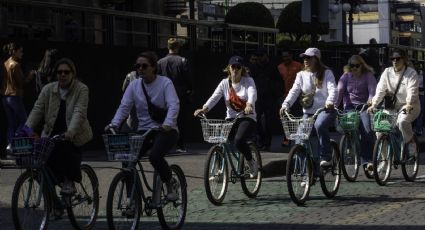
(157, 145)
(241, 132)
(65, 161)
(3, 130)
(181, 119)
(264, 118)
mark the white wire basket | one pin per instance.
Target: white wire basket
(297, 128)
(123, 147)
(383, 121)
(32, 153)
(216, 130)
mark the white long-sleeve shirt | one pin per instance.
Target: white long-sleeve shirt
(408, 91)
(162, 94)
(327, 94)
(245, 90)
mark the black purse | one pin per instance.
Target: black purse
(390, 100)
(156, 113)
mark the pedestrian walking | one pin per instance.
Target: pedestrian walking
(239, 93)
(157, 106)
(355, 89)
(401, 83)
(419, 121)
(12, 89)
(316, 86)
(177, 69)
(45, 72)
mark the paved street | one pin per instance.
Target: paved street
(360, 205)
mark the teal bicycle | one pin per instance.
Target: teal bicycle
(390, 150)
(216, 170)
(349, 145)
(303, 166)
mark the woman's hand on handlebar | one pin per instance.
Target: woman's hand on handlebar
(282, 111)
(199, 111)
(248, 108)
(329, 106)
(407, 108)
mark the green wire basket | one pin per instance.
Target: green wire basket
(349, 121)
(383, 121)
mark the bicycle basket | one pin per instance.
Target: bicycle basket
(123, 147)
(383, 121)
(31, 153)
(349, 121)
(215, 130)
(297, 128)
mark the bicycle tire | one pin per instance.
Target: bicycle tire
(21, 223)
(382, 160)
(251, 186)
(86, 193)
(216, 175)
(128, 219)
(410, 163)
(172, 214)
(349, 158)
(330, 177)
(299, 174)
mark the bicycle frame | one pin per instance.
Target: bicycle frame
(231, 154)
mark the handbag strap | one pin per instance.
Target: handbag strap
(148, 99)
(398, 84)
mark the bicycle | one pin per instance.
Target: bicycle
(390, 150)
(126, 193)
(349, 145)
(34, 195)
(223, 152)
(303, 166)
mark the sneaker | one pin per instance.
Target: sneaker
(181, 150)
(171, 190)
(304, 182)
(369, 167)
(411, 147)
(253, 168)
(68, 188)
(324, 163)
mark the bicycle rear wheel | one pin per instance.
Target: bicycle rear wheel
(330, 177)
(251, 186)
(123, 209)
(216, 175)
(299, 171)
(30, 203)
(382, 160)
(349, 157)
(172, 214)
(85, 203)
(410, 162)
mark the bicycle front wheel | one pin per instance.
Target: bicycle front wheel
(330, 177)
(410, 162)
(30, 203)
(299, 171)
(216, 175)
(123, 209)
(85, 202)
(172, 214)
(251, 186)
(349, 157)
(382, 160)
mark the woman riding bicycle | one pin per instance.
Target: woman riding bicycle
(63, 106)
(150, 94)
(240, 94)
(404, 78)
(316, 85)
(356, 88)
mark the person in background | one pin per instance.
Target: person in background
(419, 121)
(131, 122)
(45, 72)
(177, 69)
(12, 89)
(357, 88)
(407, 97)
(288, 70)
(318, 79)
(240, 94)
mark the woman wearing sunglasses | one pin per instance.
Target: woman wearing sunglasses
(356, 88)
(240, 94)
(406, 97)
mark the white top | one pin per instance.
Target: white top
(245, 90)
(408, 91)
(162, 94)
(327, 94)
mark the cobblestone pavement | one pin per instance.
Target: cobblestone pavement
(359, 205)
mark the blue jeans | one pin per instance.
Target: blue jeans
(322, 124)
(367, 138)
(15, 113)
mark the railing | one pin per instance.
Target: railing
(72, 23)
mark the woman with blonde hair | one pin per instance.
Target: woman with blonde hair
(356, 88)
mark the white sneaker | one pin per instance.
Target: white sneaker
(325, 163)
(171, 190)
(253, 168)
(411, 147)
